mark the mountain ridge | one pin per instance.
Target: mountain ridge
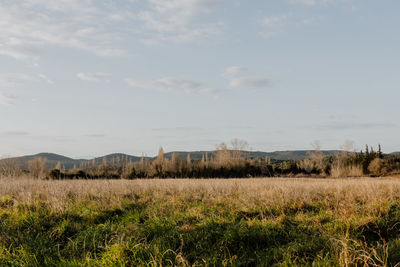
(69, 163)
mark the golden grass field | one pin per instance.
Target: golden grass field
(340, 195)
(264, 221)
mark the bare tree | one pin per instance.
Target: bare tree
(37, 167)
(175, 165)
(9, 168)
(160, 163)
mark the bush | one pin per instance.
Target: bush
(377, 167)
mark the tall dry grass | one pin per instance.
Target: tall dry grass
(341, 195)
(346, 201)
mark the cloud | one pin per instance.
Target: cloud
(95, 135)
(27, 27)
(168, 84)
(45, 78)
(6, 100)
(179, 129)
(275, 24)
(94, 77)
(13, 79)
(14, 133)
(272, 21)
(16, 79)
(340, 126)
(271, 25)
(315, 2)
(231, 72)
(19, 49)
(235, 81)
(175, 20)
(171, 84)
(249, 83)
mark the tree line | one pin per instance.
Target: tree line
(225, 162)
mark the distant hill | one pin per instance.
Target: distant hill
(115, 158)
(277, 155)
(70, 163)
(51, 160)
(294, 154)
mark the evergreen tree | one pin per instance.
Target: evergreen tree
(380, 154)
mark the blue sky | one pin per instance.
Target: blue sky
(91, 77)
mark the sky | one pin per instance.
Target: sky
(86, 78)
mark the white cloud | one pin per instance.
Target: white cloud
(315, 2)
(170, 84)
(19, 49)
(236, 81)
(231, 72)
(175, 20)
(45, 78)
(273, 21)
(341, 126)
(276, 24)
(272, 25)
(17, 79)
(249, 83)
(6, 100)
(94, 77)
(28, 26)
(13, 79)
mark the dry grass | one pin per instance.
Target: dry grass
(338, 194)
(331, 209)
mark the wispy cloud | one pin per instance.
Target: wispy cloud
(272, 25)
(45, 78)
(13, 79)
(169, 84)
(16, 79)
(175, 20)
(19, 49)
(273, 21)
(14, 133)
(6, 100)
(178, 129)
(236, 80)
(315, 2)
(28, 26)
(339, 126)
(249, 83)
(232, 71)
(95, 135)
(94, 77)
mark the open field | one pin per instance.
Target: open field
(266, 221)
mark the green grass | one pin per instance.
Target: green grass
(150, 228)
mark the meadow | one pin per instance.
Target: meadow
(200, 222)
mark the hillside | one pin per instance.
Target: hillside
(69, 163)
(277, 155)
(51, 160)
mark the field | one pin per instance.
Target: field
(222, 222)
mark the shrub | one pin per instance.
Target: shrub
(377, 167)
(37, 167)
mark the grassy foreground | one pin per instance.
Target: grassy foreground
(239, 222)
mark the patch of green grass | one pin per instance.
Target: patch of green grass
(176, 230)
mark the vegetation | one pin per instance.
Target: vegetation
(224, 162)
(230, 222)
(234, 162)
